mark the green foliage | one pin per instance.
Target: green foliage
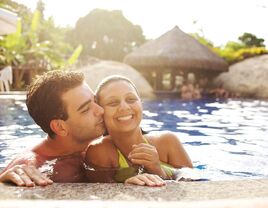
(249, 52)
(234, 46)
(107, 35)
(248, 46)
(202, 40)
(75, 55)
(37, 43)
(11, 48)
(35, 21)
(235, 51)
(251, 40)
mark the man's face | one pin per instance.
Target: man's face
(85, 117)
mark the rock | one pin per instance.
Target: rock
(247, 78)
(95, 72)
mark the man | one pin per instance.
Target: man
(64, 106)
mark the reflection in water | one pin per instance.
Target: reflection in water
(109, 175)
(68, 168)
(71, 168)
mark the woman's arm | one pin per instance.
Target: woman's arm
(176, 154)
(166, 148)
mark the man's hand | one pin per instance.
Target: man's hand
(147, 156)
(25, 175)
(146, 179)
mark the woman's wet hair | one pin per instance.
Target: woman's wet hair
(110, 79)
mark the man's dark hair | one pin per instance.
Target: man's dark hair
(44, 97)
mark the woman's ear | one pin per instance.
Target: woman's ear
(58, 127)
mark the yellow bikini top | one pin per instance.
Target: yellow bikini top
(124, 164)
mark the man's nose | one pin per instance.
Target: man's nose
(99, 111)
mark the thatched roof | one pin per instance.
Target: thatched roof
(176, 49)
(97, 71)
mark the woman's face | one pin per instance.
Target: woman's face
(122, 107)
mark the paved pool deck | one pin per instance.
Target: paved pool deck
(219, 194)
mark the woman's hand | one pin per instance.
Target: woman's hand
(147, 156)
(146, 179)
(24, 175)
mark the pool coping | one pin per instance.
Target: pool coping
(219, 194)
(18, 95)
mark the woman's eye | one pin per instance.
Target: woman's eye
(131, 100)
(113, 103)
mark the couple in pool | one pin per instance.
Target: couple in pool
(65, 107)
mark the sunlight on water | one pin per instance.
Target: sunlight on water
(225, 139)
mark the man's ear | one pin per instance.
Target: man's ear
(58, 127)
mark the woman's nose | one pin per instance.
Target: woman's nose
(123, 105)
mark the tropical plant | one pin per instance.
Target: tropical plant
(27, 48)
(251, 40)
(11, 47)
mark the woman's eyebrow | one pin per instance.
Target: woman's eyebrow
(84, 104)
(111, 97)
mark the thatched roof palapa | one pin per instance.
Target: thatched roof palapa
(176, 49)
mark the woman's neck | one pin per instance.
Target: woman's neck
(125, 141)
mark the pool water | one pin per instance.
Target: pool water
(226, 139)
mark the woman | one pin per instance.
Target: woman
(126, 145)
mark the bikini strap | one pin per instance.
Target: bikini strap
(122, 160)
(146, 141)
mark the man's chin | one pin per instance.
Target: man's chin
(100, 131)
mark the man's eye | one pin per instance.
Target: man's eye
(85, 110)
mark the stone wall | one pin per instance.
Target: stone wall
(247, 78)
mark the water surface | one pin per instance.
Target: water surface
(226, 139)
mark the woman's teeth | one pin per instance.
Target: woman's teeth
(124, 118)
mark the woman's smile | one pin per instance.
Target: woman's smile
(125, 118)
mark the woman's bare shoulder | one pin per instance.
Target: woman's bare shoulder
(101, 152)
(162, 138)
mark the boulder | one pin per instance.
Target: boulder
(98, 70)
(247, 78)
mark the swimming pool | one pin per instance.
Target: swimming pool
(226, 139)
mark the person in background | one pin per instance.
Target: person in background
(190, 90)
